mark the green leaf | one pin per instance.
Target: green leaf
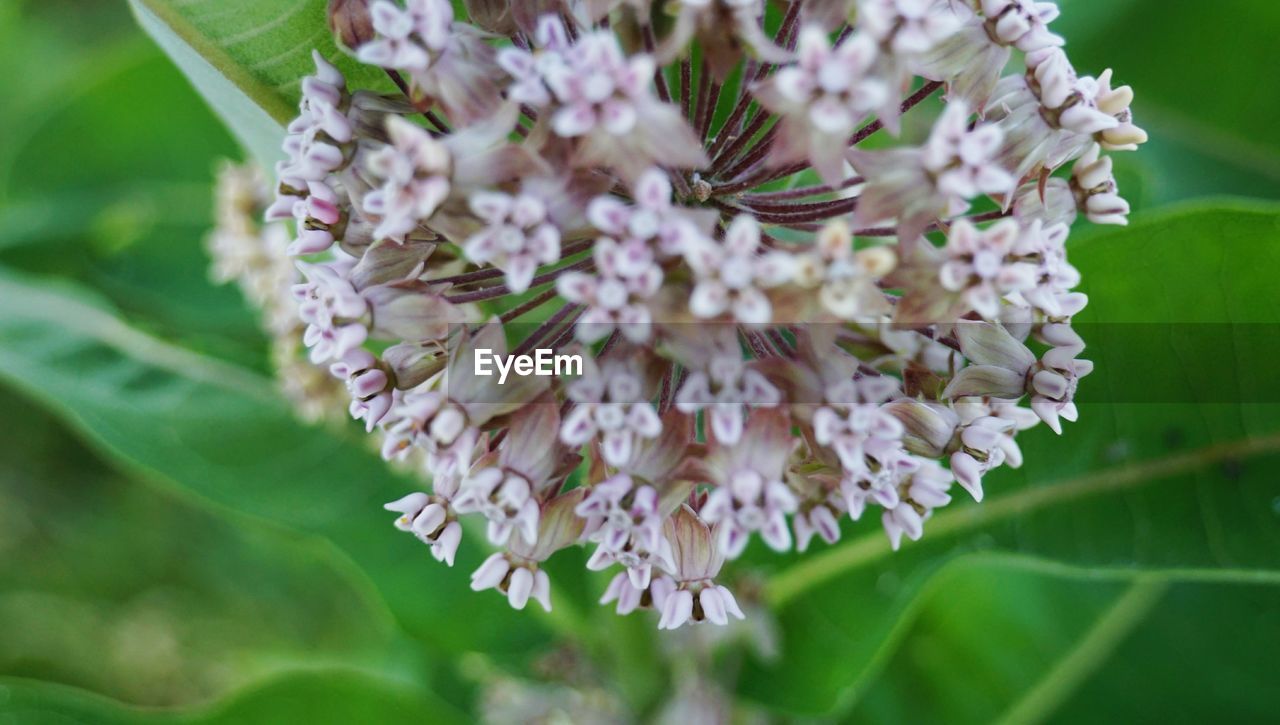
(321, 695)
(107, 179)
(1169, 487)
(222, 432)
(996, 632)
(184, 604)
(1194, 69)
(1203, 654)
(246, 58)
(1006, 639)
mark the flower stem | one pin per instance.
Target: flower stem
(501, 290)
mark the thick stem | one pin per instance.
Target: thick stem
(809, 213)
(686, 88)
(745, 99)
(527, 307)
(659, 79)
(761, 149)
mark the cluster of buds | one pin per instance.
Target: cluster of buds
(777, 330)
(254, 256)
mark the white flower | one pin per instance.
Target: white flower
(627, 273)
(1044, 248)
(503, 497)
(963, 159)
(431, 519)
(731, 275)
(908, 26)
(333, 311)
(986, 440)
(1095, 189)
(517, 237)
(923, 489)
(725, 390)
(821, 520)
(823, 97)
(750, 494)
(367, 384)
(519, 580)
(599, 86)
(651, 217)
(746, 503)
(848, 280)
(615, 296)
(624, 520)
(982, 265)
(854, 423)
(610, 402)
(414, 171)
(919, 186)
(1053, 385)
(1021, 23)
(407, 38)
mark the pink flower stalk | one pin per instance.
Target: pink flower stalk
(778, 329)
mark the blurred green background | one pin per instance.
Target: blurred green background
(174, 546)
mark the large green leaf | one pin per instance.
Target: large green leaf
(1014, 641)
(247, 56)
(222, 432)
(320, 695)
(1194, 69)
(184, 604)
(120, 210)
(1160, 485)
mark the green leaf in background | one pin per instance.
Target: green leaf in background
(324, 695)
(184, 603)
(1173, 491)
(1199, 74)
(1015, 643)
(222, 432)
(119, 210)
(246, 57)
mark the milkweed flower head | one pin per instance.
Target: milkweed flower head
(780, 330)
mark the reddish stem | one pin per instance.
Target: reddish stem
(500, 290)
(800, 192)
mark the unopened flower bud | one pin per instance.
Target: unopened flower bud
(929, 426)
(494, 16)
(987, 343)
(350, 23)
(407, 312)
(413, 363)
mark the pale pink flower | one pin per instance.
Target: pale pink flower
(823, 97)
(610, 401)
(517, 238)
(982, 265)
(414, 174)
(733, 274)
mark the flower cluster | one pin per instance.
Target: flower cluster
(779, 329)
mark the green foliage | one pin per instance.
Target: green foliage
(1195, 69)
(321, 695)
(154, 488)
